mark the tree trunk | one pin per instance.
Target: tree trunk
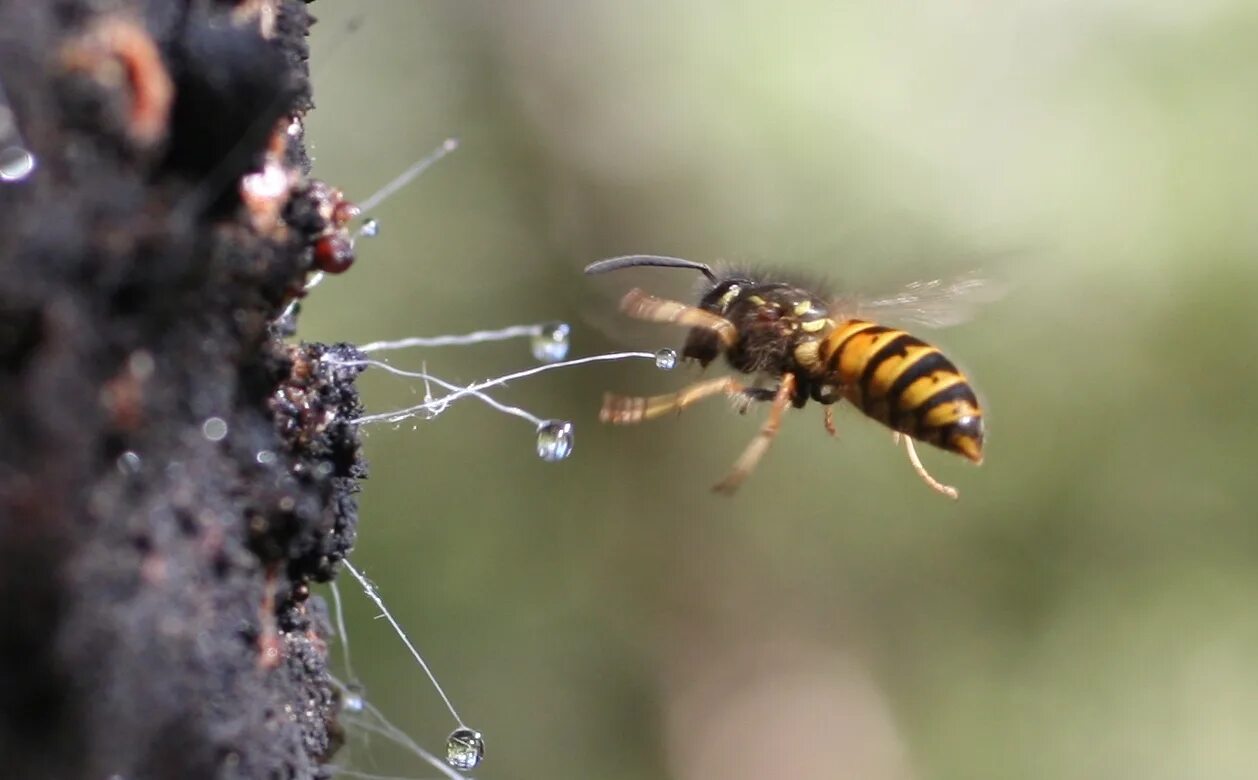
(172, 473)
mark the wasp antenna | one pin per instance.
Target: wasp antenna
(663, 261)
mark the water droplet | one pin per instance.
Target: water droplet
(214, 429)
(141, 364)
(352, 698)
(465, 748)
(265, 457)
(16, 163)
(666, 359)
(128, 463)
(370, 228)
(554, 440)
(550, 343)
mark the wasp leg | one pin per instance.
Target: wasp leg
(936, 485)
(639, 305)
(746, 462)
(830, 429)
(627, 410)
(743, 401)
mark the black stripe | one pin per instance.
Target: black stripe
(837, 355)
(925, 366)
(973, 429)
(958, 392)
(896, 346)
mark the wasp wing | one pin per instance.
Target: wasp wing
(934, 303)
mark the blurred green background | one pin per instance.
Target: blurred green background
(1086, 610)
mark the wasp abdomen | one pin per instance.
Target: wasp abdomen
(906, 384)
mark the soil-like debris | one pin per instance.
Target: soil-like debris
(173, 474)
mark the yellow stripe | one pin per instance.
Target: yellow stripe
(946, 414)
(921, 390)
(893, 366)
(835, 341)
(967, 446)
(857, 353)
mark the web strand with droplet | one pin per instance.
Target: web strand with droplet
(373, 721)
(370, 590)
(477, 388)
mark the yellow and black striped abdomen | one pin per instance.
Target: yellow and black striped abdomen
(905, 384)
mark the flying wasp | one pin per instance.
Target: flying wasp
(812, 348)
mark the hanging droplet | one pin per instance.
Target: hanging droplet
(666, 359)
(16, 163)
(554, 440)
(465, 748)
(550, 343)
(352, 698)
(370, 228)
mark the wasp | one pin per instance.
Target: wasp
(811, 347)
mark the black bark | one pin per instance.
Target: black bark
(172, 473)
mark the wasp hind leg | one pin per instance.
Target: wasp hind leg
(639, 305)
(751, 456)
(936, 485)
(829, 421)
(627, 410)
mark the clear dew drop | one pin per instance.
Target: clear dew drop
(550, 343)
(129, 463)
(352, 699)
(214, 429)
(370, 228)
(465, 748)
(554, 440)
(666, 359)
(16, 163)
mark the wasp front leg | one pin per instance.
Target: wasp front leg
(628, 410)
(639, 305)
(751, 456)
